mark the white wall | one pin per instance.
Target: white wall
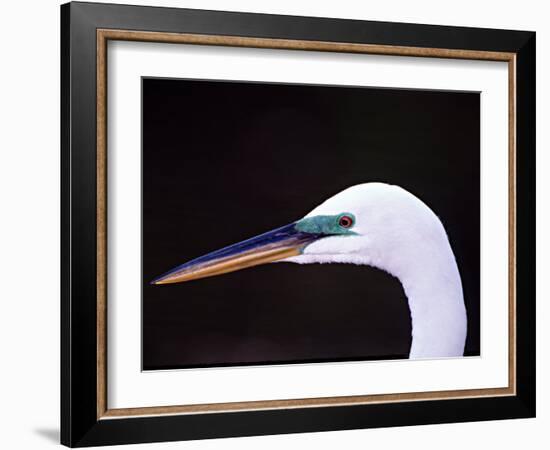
(29, 224)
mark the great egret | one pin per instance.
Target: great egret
(374, 224)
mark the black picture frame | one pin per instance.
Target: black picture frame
(81, 425)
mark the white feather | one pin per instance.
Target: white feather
(398, 233)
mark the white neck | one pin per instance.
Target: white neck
(431, 282)
(438, 314)
(398, 233)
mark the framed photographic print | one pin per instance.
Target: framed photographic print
(276, 224)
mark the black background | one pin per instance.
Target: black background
(224, 161)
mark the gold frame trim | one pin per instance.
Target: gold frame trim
(104, 35)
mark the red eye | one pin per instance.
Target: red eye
(345, 221)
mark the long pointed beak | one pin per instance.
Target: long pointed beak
(272, 246)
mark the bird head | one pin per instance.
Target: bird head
(367, 224)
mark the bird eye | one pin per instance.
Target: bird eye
(345, 221)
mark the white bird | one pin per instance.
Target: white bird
(372, 224)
